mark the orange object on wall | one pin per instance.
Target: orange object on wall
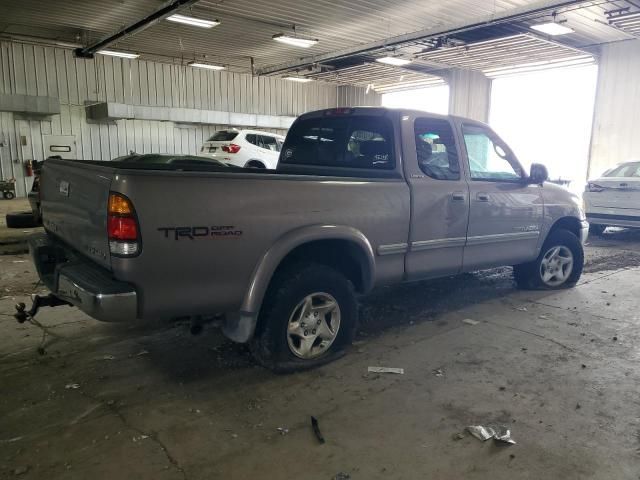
(28, 167)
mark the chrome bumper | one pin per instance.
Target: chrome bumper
(82, 283)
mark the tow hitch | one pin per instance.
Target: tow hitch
(22, 314)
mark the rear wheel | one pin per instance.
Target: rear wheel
(595, 229)
(9, 195)
(308, 317)
(254, 164)
(559, 264)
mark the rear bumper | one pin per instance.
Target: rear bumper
(82, 283)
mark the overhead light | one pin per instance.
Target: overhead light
(395, 61)
(295, 41)
(118, 54)
(208, 66)
(552, 28)
(298, 79)
(196, 22)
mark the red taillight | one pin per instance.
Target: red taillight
(339, 111)
(122, 226)
(232, 148)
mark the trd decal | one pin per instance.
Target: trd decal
(194, 233)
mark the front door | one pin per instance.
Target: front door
(505, 211)
(439, 197)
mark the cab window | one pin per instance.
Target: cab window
(436, 149)
(363, 142)
(489, 158)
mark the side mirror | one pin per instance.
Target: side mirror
(539, 174)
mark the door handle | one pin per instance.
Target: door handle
(483, 197)
(457, 196)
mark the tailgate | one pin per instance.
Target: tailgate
(74, 198)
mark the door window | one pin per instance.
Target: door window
(489, 158)
(436, 149)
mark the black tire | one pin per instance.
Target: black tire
(529, 276)
(21, 220)
(595, 229)
(270, 345)
(9, 195)
(254, 164)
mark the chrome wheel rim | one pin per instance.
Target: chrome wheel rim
(556, 266)
(313, 326)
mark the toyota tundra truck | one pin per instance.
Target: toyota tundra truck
(361, 197)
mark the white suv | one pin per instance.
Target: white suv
(244, 148)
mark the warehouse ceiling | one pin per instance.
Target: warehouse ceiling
(243, 39)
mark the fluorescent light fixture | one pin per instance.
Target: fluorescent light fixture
(395, 61)
(295, 41)
(118, 54)
(195, 22)
(208, 66)
(552, 28)
(298, 79)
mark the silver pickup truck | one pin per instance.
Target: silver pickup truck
(362, 197)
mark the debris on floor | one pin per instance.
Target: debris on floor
(342, 476)
(140, 437)
(23, 470)
(469, 321)
(316, 429)
(399, 371)
(500, 434)
(521, 309)
(283, 430)
(438, 372)
(72, 386)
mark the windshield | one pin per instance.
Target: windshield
(223, 136)
(626, 170)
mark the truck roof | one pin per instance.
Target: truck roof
(375, 110)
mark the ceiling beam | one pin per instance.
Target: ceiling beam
(136, 27)
(539, 7)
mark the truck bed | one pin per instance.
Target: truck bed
(205, 230)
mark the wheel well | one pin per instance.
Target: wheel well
(255, 164)
(568, 223)
(342, 255)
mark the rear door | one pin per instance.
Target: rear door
(440, 197)
(505, 211)
(618, 189)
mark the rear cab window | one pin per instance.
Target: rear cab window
(354, 142)
(223, 136)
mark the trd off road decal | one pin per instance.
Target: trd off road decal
(195, 233)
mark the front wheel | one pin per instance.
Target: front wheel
(559, 264)
(308, 317)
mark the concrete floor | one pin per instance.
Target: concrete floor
(560, 369)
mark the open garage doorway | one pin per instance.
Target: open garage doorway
(431, 99)
(546, 117)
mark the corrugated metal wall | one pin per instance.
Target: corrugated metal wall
(50, 71)
(616, 126)
(470, 94)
